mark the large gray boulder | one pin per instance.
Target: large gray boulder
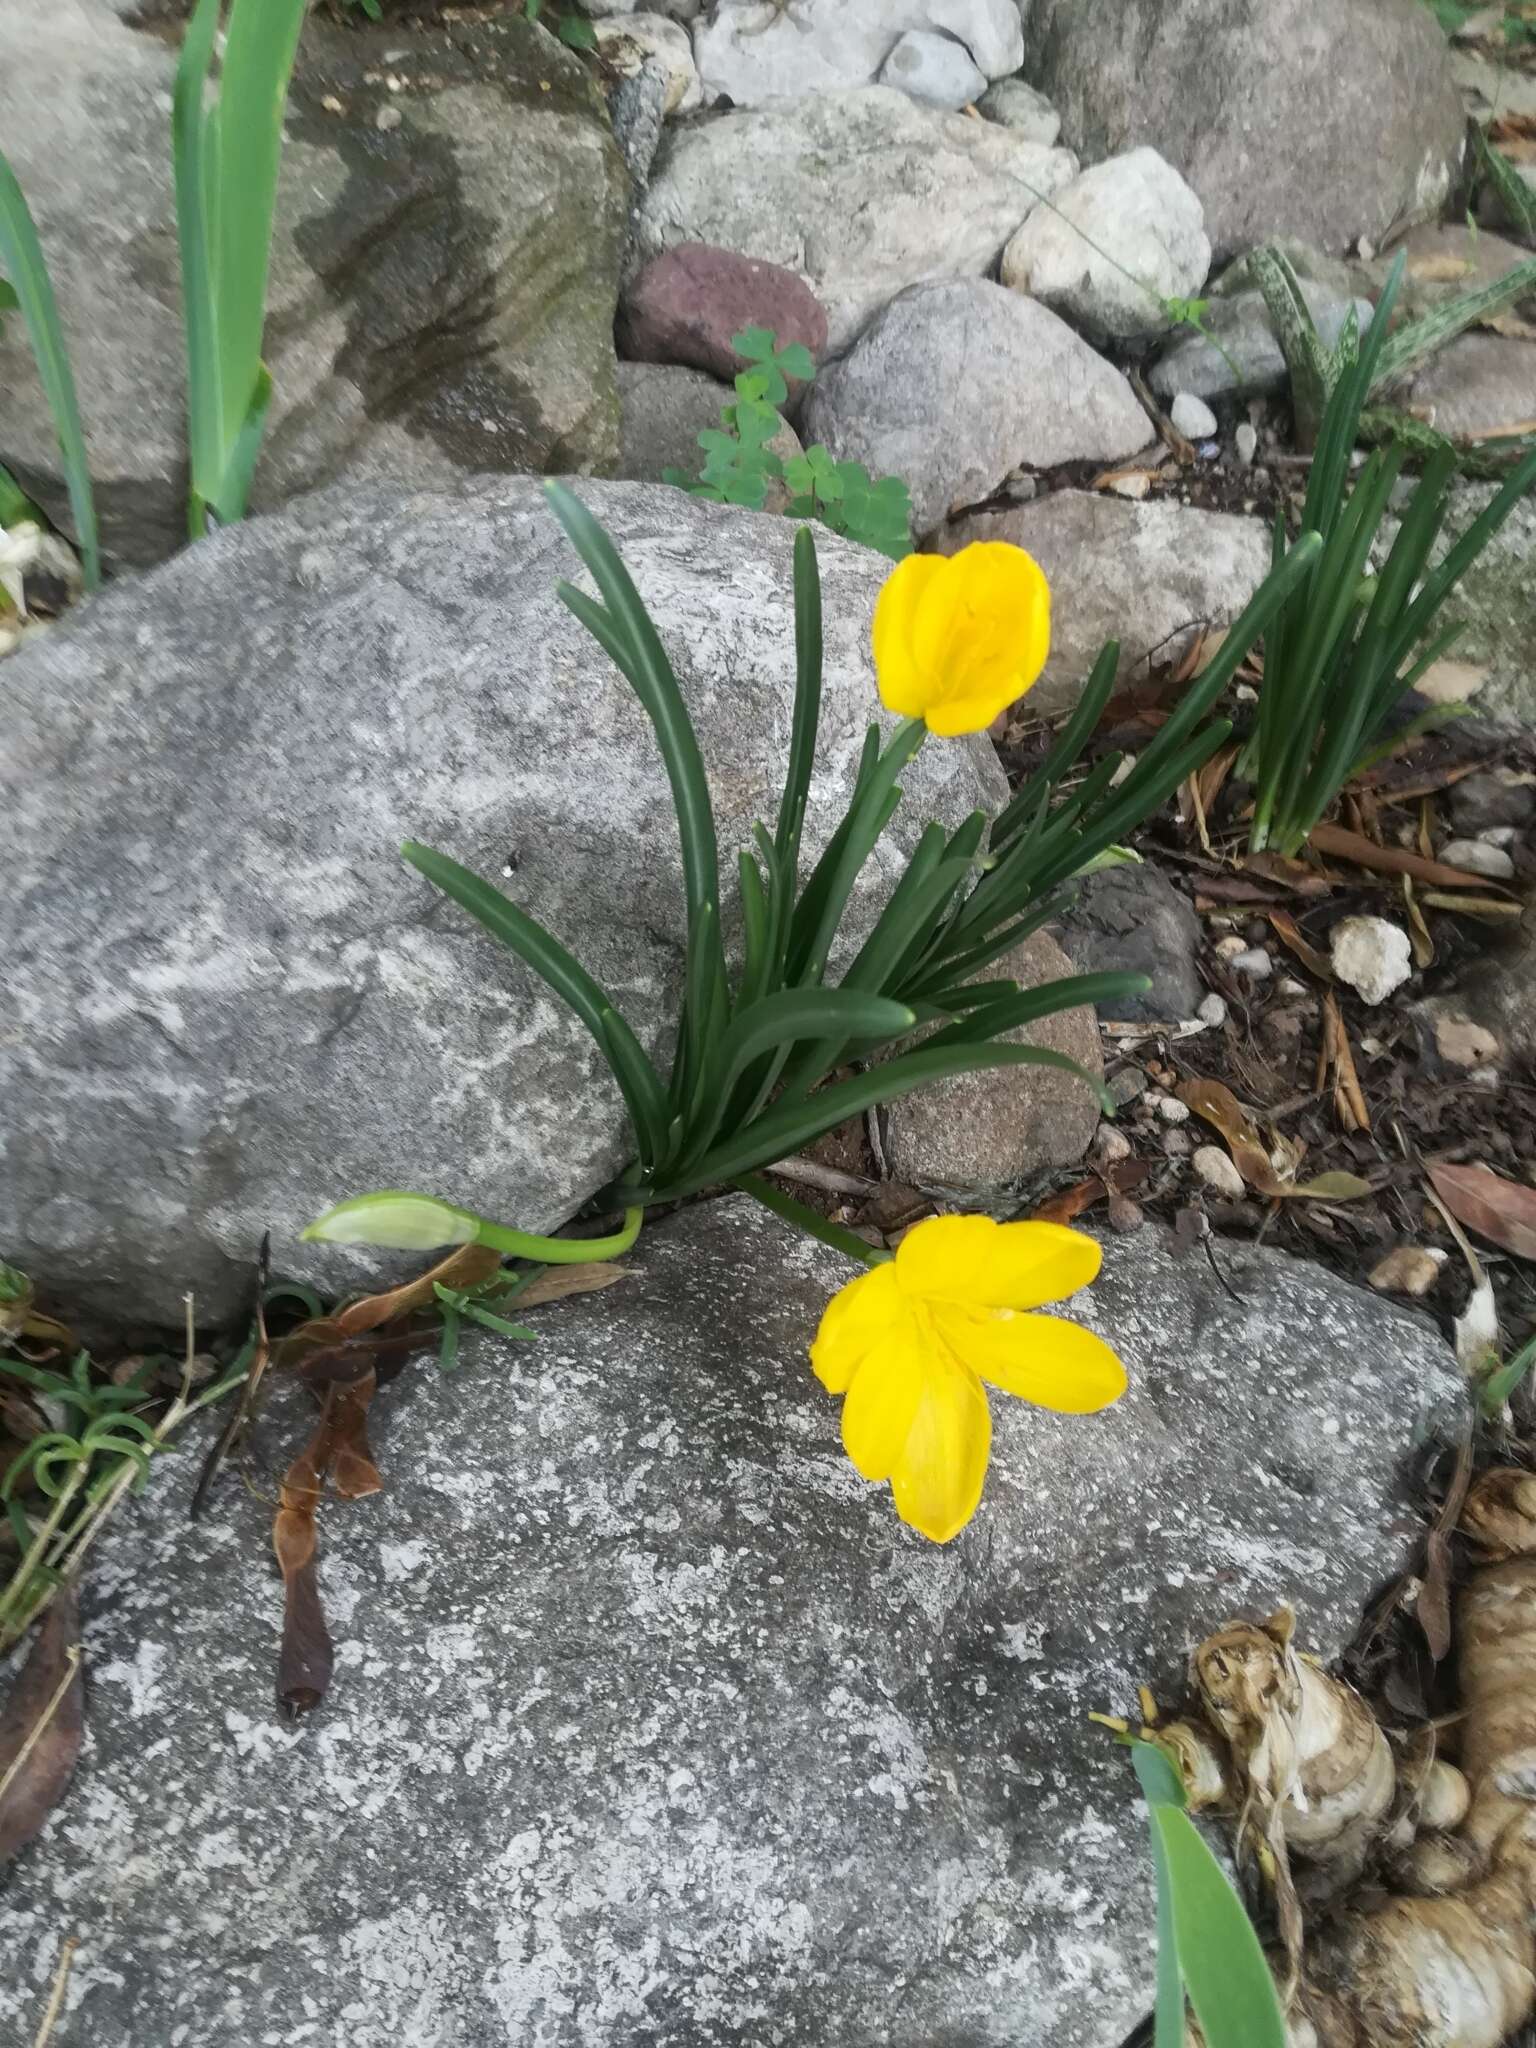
(230, 1004)
(955, 385)
(444, 272)
(1148, 575)
(861, 193)
(1329, 119)
(651, 1723)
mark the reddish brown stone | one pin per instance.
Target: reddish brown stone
(687, 302)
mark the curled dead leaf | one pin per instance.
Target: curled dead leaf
(42, 1726)
(1220, 1108)
(1503, 1211)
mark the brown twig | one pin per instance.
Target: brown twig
(56, 1997)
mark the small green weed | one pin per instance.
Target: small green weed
(740, 466)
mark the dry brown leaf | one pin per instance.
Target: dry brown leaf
(1220, 1108)
(1511, 326)
(1494, 908)
(556, 1282)
(467, 1266)
(305, 1659)
(42, 1726)
(1287, 929)
(1503, 1211)
(1389, 860)
(1348, 1097)
(1419, 936)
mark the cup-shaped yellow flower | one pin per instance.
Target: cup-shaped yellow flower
(958, 638)
(909, 1343)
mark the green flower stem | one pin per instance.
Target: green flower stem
(806, 1219)
(21, 1578)
(560, 1251)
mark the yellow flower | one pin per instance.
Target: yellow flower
(909, 1343)
(958, 638)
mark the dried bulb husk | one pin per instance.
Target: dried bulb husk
(1307, 1743)
(1443, 1797)
(1201, 1762)
(1499, 1513)
(1435, 1863)
(1451, 1972)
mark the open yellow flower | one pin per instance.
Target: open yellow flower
(958, 638)
(909, 1343)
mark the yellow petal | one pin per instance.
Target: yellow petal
(981, 634)
(905, 686)
(937, 1479)
(1044, 1359)
(982, 1264)
(857, 1318)
(883, 1401)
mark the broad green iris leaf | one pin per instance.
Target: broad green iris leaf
(1218, 1957)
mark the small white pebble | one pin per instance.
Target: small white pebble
(1477, 857)
(1288, 985)
(1372, 1048)
(1172, 1111)
(1371, 955)
(387, 118)
(1213, 1010)
(1246, 443)
(1136, 486)
(1255, 963)
(1486, 1077)
(1245, 693)
(1176, 1143)
(1230, 947)
(1192, 417)
(1216, 1170)
(1500, 835)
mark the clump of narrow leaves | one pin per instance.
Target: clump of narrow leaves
(1348, 644)
(762, 1051)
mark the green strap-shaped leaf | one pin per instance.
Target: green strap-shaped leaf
(631, 638)
(789, 1126)
(638, 1080)
(21, 257)
(1219, 1956)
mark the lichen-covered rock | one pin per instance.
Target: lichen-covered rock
(1479, 385)
(230, 1004)
(1496, 598)
(1123, 239)
(755, 52)
(445, 263)
(1235, 353)
(1148, 575)
(651, 1723)
(860, 193)
(955, 385)
(987, 1131)
(1330, 119)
